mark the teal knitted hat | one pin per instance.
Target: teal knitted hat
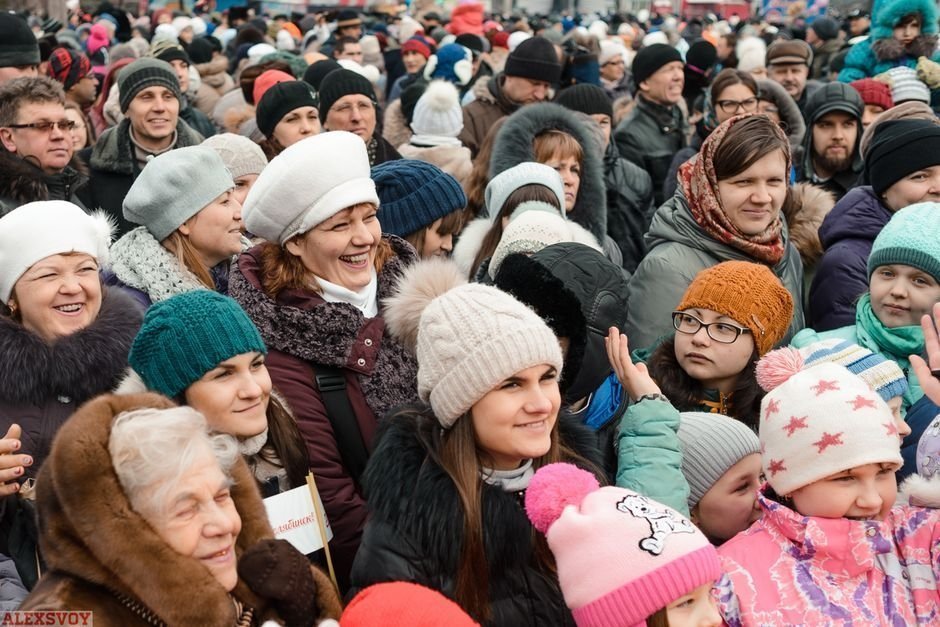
(910, 239)
(185, 336)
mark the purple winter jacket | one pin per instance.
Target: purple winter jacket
(847, 235)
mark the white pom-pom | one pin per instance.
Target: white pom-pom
(441, 96)
(419, 285)
(105, 227)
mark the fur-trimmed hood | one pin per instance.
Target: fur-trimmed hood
(790, 114)
(394, 125)
(514, 146)
(887, 13)
(890, 49)
(920, 491)
(77, 366)
(214, 72)
(89, 531)
(22, 182)
(114, 151)
(805, 211)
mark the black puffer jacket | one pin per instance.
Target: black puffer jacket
(21, 182)
(416, 527)
(629, 206)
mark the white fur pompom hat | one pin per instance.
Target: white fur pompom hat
(38, 230)
(468, 337)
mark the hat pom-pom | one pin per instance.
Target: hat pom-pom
(419, 284)
(552, 489)
(777, 366)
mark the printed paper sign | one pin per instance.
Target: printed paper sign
(293, 518)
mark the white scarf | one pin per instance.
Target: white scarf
(365, 300)
(510, 480)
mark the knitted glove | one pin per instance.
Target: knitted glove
(275, 570)
(929, 72)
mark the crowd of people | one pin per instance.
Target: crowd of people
(574, 320)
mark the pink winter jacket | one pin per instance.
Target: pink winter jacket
(789, 569)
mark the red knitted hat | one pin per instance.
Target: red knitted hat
(874, 92)
(416, 45)
(266, 81)
(403, 604)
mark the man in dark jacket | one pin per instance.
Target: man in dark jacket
(36, 159)
(832, 159)
(788, 63)
(348, 103)
(530, 71)
(823, 36)
(150, 100)
(656, 128)
(629, 188)
(180, 62)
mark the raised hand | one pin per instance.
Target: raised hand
(635, 379)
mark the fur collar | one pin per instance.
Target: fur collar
(22, 182)
(301, 324)
(408, 490)
(78, 366)
(514, 146)
(140, 261)
(113, 152)
(90, 532)
(805, 211)
(394, 125)
(217, 65)
(890, 49)
(920, 491)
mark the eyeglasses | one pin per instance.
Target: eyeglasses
(733, 106)
(722, 332)
(47, 126)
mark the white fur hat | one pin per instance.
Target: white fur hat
(610, 48)
(309, 182)
(517, 38)
(751, 52)
(181, 23)
(38, 230)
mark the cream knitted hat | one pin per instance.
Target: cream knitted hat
(467, 337)
(819, 421)
(239, 154)
(310, 181)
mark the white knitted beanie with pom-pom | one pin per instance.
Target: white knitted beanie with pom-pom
(438, 112)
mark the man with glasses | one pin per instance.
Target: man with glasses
(615, 79)
(150, 101)
(19, 50)
(347, 103)
(35, 163)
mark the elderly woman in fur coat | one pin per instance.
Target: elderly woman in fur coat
(151, 519)
(64, 339)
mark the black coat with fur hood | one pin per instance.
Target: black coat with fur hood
(42, 383)
(415, 531)
(514, 145)
(21, 182)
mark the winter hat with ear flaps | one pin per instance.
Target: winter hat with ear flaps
(819, 420)
(41, 229)
(334, 167)
(620, 556)
(467, 337)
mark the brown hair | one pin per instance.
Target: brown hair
(659, 618)
(90, 135)
(747, 142)
(552, 143)
(188, 256)
(285, 447)
(455, 450)
(246, 79)
(532, 191)
(271, 147)
(475, 187)
(728, 77)
(450, 224)
(687, 393)
(280, 270)
(911, 18)
(26, 89)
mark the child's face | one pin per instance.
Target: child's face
(696, 609)
(715, 364)
(900, 424)
(907, 32)
(730, 506)
(863, 492)
(901, 295)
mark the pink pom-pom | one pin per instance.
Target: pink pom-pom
(776, 367)
(553, 488)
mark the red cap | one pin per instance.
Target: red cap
(416, 45)
(266, 81)
(874, 92)
(500, 40)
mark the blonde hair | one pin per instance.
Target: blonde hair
(189, 257)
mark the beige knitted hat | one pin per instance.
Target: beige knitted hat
(468, 337)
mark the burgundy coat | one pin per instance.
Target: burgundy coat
(301, 331)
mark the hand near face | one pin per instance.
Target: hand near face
(12, 465)
(635, 378)
(924, 369)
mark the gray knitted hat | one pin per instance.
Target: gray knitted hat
(144, 73)
(174, 187)
(506, 182)
(711, 444)
(239, 154)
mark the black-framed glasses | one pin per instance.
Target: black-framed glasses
(46, 126)
(733, 106)
(722, 332)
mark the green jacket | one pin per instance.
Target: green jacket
(678, 250)
(649, 457)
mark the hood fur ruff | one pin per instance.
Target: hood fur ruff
(920, 491)
(419, 284)
(514, 146)
(804, 212)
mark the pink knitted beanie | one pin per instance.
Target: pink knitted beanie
(621, 556)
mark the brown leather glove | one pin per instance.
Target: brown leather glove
(276, 571)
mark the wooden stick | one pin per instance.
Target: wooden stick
(315, 496)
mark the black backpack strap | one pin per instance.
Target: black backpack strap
(332, 385)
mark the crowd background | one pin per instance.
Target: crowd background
(576, 319)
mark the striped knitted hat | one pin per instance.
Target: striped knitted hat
(884, 376)
(144, 73)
